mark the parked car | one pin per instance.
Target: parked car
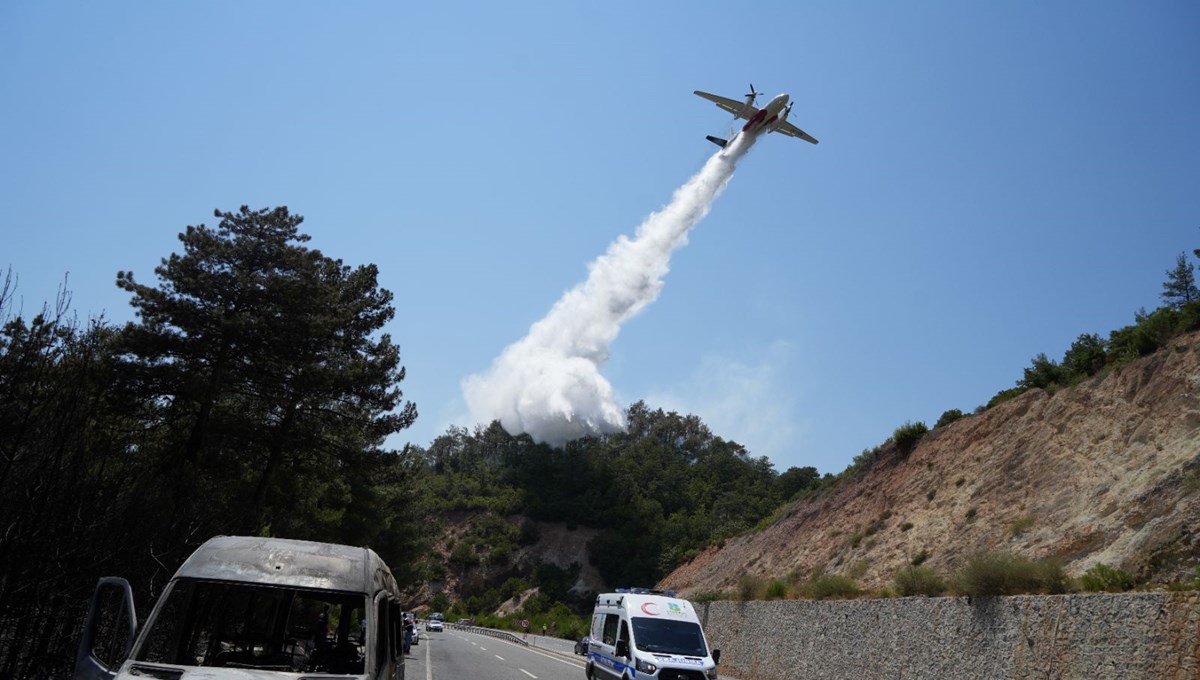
(581, 647)
(410, 622)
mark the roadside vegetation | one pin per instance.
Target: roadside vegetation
(558, 621)
(982, 575)
(1089, 356)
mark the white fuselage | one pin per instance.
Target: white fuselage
(768, 117)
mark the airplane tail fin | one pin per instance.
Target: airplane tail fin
(717, 140)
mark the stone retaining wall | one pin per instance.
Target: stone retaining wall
(1155, 636)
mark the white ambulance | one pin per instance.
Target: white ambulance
(640, 633)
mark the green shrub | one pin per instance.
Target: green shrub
(440, 602)
(858, 569)
(1103, 578)
(776, 590)
(1054, 579)
(437, 568)
(1193, 584)
(829, 586)
(1044, 373)
(919, 581)
(995, 574)
(1086, 357)
(990, 575)
(464, 555)
(862, 462)
(1021, 524)
(1189, 317)
(538, 603)
(500, 555)
(1149, 332)
(749, 587)
(512, 587)
(919, 558)
(557, 619)
(706, 596)
(1005, 395)
(948, 417)
(907, 435)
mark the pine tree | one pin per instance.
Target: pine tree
(1180, 287)
(264, 354)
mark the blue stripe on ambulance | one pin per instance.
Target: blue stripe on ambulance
(618, 666)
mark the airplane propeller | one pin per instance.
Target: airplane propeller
(752, 94)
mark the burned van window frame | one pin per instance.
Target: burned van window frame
(208, 623)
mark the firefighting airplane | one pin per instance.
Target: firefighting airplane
(770, 118)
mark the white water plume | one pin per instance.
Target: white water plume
(548, 384)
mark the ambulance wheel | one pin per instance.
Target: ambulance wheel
(588, 670)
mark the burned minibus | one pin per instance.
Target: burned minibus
(263, 606)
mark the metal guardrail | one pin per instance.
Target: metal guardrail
(490, 632)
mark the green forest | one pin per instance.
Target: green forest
(658, 493)
(254, 393)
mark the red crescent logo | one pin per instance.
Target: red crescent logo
(646, 608)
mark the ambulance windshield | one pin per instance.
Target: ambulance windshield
(667, 636)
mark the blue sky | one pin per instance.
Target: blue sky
(993, 179)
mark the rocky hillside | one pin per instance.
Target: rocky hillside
(1106, 471)
(547, 543)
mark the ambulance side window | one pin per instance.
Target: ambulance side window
(610, 628)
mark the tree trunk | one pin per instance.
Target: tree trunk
(274, 458)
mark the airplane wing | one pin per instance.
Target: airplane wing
(731, 105)
(793, 131)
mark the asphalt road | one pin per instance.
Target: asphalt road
(455, 655)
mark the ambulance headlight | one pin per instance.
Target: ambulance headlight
(646, 667)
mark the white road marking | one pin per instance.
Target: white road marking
(557, 658)
(528, 673)
(428, 665)
(553, 657)
(498, 657)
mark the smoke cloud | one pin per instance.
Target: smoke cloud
(548, 384)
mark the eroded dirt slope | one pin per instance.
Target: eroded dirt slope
(1107, 471)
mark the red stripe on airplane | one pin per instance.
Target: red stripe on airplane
(757, 117)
